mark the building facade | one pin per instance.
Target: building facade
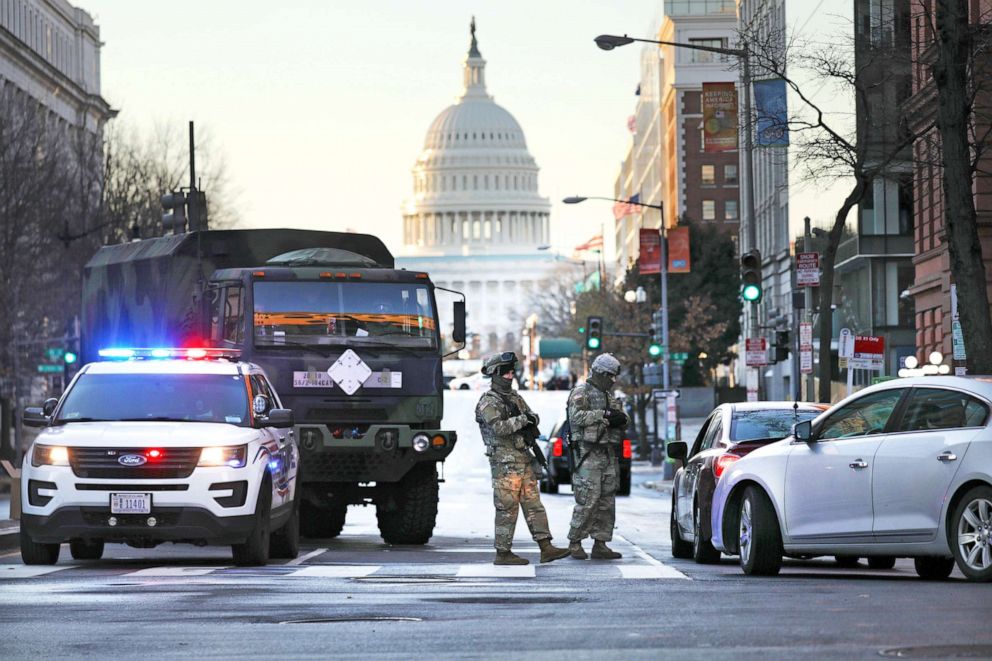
(932, 283)
(476, 220)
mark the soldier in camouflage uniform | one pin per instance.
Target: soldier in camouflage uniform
(502, 414)
(597, 426)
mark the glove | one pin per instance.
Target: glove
(531, 418)
(615, 418)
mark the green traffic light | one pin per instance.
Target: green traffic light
(654, 350)
(582, 330)
(69, 357)
(751, 293)
(593, 343)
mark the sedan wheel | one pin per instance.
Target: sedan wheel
(972, 525)
(760, 540)
(681, 549)
(881, 561)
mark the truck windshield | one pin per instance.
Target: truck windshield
(185, 397)
(343, 313)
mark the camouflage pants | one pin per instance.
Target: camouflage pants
(515, 488)
(595, 485)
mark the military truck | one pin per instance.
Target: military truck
(351, 344)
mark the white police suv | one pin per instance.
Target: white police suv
(162, 445)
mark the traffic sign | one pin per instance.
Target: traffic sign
(50, 369)
(54, 353)
(755, 351)
(808, 269)
(869, 352)
(845, 344)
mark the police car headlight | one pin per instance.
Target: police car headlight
(49, 455)
(232, 456)
(421, 442)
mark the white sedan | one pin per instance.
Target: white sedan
(900, 469)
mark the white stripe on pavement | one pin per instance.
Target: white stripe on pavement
(172, 571)
(336, 571)
(490, 570)
(672, 572)
(25, 571)
(650, 571)
(303, 558)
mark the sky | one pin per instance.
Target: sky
(319, 107)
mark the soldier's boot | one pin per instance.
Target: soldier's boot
(509, 558)
(551, 553)
(576, 551)
(600, 551)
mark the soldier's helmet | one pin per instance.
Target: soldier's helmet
(492, 364)
(606, 364)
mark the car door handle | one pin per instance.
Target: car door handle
(858, 463)
(947, 456)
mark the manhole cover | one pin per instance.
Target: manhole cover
(404, 579)
(945, 651)
(505, 600)
(353, 618)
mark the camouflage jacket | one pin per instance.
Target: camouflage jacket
(586, 406)
(500, 427)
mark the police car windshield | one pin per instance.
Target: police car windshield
(156, 397)
(766, 424)
(343, 313)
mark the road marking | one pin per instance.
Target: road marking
(495, 571)
(670, 571)
(26, 571)
(336, 571)
(173, 571)
(650, 571)
(303, 558)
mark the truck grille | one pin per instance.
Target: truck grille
(102, 463)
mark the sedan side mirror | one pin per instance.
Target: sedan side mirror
(34, 416)
(803, 431)
(678, 450)
(279, 418)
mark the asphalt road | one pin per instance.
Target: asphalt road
(354, 596)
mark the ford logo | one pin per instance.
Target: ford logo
(131, 460)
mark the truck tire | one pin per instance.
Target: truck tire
(36, 553)
(322, 522)
(83, 549)
(285, 542)
(255, 550)
(412, 519)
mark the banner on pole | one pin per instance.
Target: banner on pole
(650, 257)
(719, 117)
(678, 250)
(772, 110)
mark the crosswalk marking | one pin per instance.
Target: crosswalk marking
(490, 570)
(650, 571)
(646, 557)
(172, 571)
(336, 571)
(27, 571)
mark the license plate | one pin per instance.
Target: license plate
(312, 380)
(130, 503)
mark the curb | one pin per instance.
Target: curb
(10, 535)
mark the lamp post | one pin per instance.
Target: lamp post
(610, 41)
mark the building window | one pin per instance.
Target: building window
(730, 210)
(730, 174)
(709, 210)
(708, 174)
(705, 57)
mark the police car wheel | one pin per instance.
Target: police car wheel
(83, 549)
(255, 550)
(36, 553)
(285, 542)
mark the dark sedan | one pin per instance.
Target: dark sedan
(730, 432)
(555, 447)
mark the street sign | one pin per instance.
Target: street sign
(679, 356)
(50, 369)
(755, 351)
(661, 394)
(54, 353)
(957, 341)
(869, 353)
(845, 344)
(806, 361)
(751, 381)
(806, 347)
(808, 269)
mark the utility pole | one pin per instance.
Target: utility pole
(808, 313)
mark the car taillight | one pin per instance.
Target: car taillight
(627, 454)
(723, 462)
(557, 447)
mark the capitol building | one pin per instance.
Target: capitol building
(476, 221)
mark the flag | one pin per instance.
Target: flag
(632, 123)
(621, 208)
(595, 243)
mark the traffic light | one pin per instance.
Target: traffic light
(175, 217)
(654, 350)
(657, 331)
(751, 276)
(782, 345)
(594, 333)
(197, 210)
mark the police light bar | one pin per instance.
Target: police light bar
(194, 353)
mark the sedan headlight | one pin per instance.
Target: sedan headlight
(49, 455)
(232, 456)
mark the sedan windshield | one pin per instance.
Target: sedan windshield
(766, 424)
(343, 313)
(185, 397)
